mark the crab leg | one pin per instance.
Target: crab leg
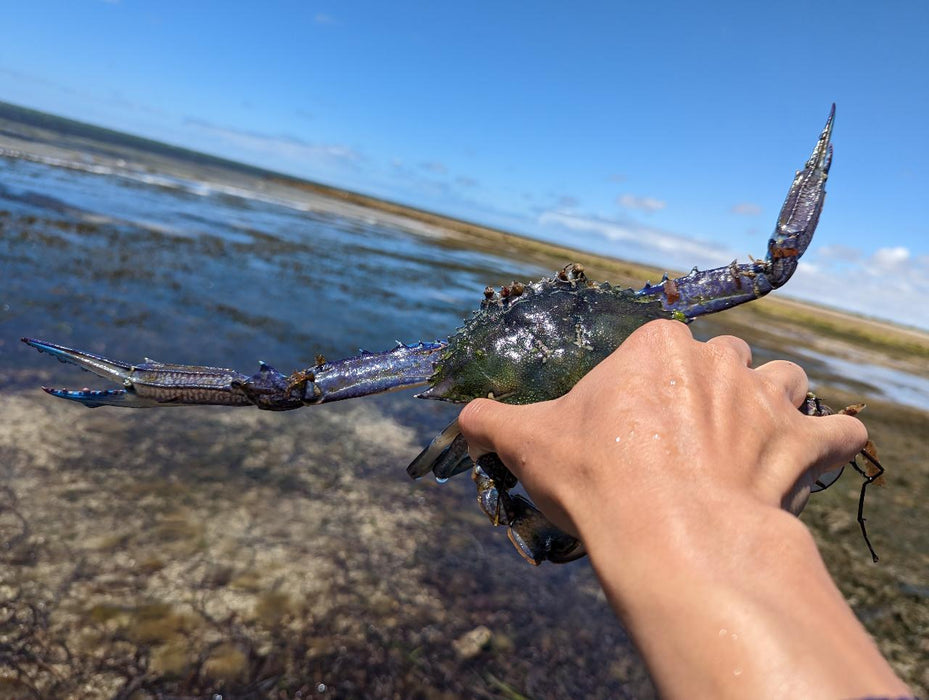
(533, 535)
(158, 384)
(708, 291)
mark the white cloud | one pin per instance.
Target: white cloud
(647, 204)
(884, 284)
(269, 146)
(746, 209)
(889, 260)
(838, 252)
(641, 242)
(323, 18)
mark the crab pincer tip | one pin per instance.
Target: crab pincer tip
(62, 393)
(42, 346)
(821, 157)
(92, 398)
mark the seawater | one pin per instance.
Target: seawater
(129, 262)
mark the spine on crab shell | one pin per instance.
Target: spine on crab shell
(708, 291)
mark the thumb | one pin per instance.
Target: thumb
(485, 424)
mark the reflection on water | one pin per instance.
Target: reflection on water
(883, 382)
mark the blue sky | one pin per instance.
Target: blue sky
(666, 132)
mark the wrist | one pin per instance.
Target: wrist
(735, 600)
(729, 541)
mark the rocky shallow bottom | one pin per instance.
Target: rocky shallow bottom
(199, 551)
(168, 554)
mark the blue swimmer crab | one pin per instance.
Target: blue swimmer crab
(528, 342)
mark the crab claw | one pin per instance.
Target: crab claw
(147, 384)
(535, 538)
(709, 291)
(533, 535)
(160, 384)
(800, 213)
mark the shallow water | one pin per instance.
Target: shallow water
(269, 276)
(887, 383)
(238, 550)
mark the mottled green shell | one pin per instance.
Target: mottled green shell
(536, 346)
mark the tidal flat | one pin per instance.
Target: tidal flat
(193, 551)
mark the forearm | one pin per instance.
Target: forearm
(740, 607)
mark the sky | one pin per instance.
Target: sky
(660, 132)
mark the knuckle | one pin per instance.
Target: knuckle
(729, 346)
(723, 353)
(665, 329)
(473, 415)
(789, 366)
(789, 377)
(856, 429)
(771, 388)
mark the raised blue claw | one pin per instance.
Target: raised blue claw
(708, 291)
